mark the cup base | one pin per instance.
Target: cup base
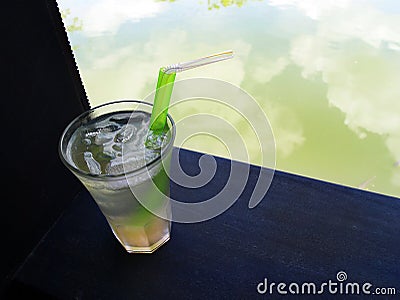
(143, 238)
(149, 249)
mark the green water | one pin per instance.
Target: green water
(326, 74)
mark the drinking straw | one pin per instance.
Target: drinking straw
(165, 83)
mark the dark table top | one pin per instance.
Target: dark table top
(305, 230)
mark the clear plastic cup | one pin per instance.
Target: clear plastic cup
(135, 227)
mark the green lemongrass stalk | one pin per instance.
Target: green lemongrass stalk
(158, 120)
(165, 83)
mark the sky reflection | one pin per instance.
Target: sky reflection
(325, 72)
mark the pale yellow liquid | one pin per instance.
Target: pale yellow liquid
(96, 148)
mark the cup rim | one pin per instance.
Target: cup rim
(74, 169)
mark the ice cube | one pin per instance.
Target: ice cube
(103, 137)
(93, 166)
(120, 165)
(92, 131)
(87, 142)
(120, 120)
(109, 128)
(115, 167)
(89, 133)
(106, 156)
(117, 147)
(125, 134)
(156, 140)
(136, 117)
(145, 123)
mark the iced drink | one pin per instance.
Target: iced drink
(105, 149)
